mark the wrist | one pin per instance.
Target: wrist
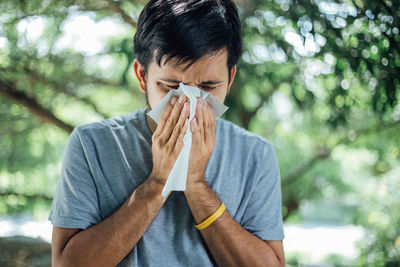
(157, 179)
(148, 192)
(151, 188)
(196, 186)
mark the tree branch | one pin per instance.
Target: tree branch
(322, 153)
(58, 88)
(8, 91)
(116, 7)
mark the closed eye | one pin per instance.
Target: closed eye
(173, 87)
(207, 88)
(201, 87)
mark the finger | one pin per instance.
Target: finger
(179, 126)
(172, 119)
(194, 126)
(179, 142)
(206, 119)
(164, 116)
(199, 115)
(213, 123)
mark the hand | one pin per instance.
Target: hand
(203, 141)
(168, 137)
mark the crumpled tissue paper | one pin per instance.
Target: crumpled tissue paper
(177, 178)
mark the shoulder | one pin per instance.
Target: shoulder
(242, 139)
(109, 125)
(113, 122)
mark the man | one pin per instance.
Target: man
(108, 209)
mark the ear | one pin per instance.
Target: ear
(140, 75)
(232, 76)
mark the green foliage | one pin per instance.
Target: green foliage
(380, 215)
(318, 79)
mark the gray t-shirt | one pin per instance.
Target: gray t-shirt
(105, 161)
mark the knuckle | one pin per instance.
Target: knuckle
(167, 146)
(158, 142)
(182, 116)
(165, 113)
(174, 133)
(169, 121)
(178, 148)
(180, 144)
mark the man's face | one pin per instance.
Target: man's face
(209, 74)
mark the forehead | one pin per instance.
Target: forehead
(211, 67)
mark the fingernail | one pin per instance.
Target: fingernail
(184, 107)
(173, 100)
(180, 99)
(195, 122)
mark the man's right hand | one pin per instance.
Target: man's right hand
(108, 242)
(168, 137)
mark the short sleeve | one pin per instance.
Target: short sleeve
(75, 201)
(263, 214)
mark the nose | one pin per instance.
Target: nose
(189, 83)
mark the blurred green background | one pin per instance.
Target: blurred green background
(319, 79)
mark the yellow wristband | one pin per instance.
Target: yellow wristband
(212, 218)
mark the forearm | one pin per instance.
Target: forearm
(229, 242)
(108, 242)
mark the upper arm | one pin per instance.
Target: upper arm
(277, 247)
(75, 203)
(263, 214)
(60, 237)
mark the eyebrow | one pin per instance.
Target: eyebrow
(211, 82)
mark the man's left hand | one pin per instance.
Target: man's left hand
(203, 141)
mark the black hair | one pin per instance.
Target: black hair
(187, 31)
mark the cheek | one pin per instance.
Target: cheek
(219, 94)
(155, 95)
(220, 99)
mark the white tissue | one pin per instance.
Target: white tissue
(177, 178)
